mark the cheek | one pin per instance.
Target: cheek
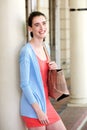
(46, 30)
(35, 30)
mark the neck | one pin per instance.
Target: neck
(36, 42)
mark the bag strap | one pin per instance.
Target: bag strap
(48, 56)
(46, 52)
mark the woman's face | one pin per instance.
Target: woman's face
(39, 27)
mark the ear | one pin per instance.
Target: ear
(29, 29)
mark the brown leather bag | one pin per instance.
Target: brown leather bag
(57, 86)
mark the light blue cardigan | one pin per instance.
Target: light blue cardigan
(30, 82)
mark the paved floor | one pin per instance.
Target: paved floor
(84, 127)
(74, 118)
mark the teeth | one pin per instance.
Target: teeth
(42, 32)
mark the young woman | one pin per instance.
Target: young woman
(36, 108)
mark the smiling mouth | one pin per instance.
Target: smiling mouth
(42, 32)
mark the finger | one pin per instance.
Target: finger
(52, 62)
(44, 122)
(47, 121)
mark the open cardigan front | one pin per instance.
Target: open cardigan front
(30, 82)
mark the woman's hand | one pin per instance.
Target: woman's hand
(52, 65)
(42, 117)
(40, 114)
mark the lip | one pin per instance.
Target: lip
(42, 32)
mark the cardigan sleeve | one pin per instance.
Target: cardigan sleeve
(25, 76)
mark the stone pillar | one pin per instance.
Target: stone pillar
(65, 36)
(57, 32)
(78, 35)
(12, 29)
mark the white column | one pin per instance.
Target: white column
(78, 34)
(12, 29)
(57, 32)
(65, 36)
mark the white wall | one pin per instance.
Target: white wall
(12, 20)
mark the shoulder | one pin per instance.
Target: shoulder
(24, 52)
(25, 49)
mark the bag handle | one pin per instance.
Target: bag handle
(46, 52)
(48, 56)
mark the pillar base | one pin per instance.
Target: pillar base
(77, 102)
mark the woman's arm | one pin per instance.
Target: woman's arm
(25, 76)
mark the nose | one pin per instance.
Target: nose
(41, 26)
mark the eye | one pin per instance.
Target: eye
(44, 23)
(36, 24)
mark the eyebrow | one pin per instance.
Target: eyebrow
(38, 22)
